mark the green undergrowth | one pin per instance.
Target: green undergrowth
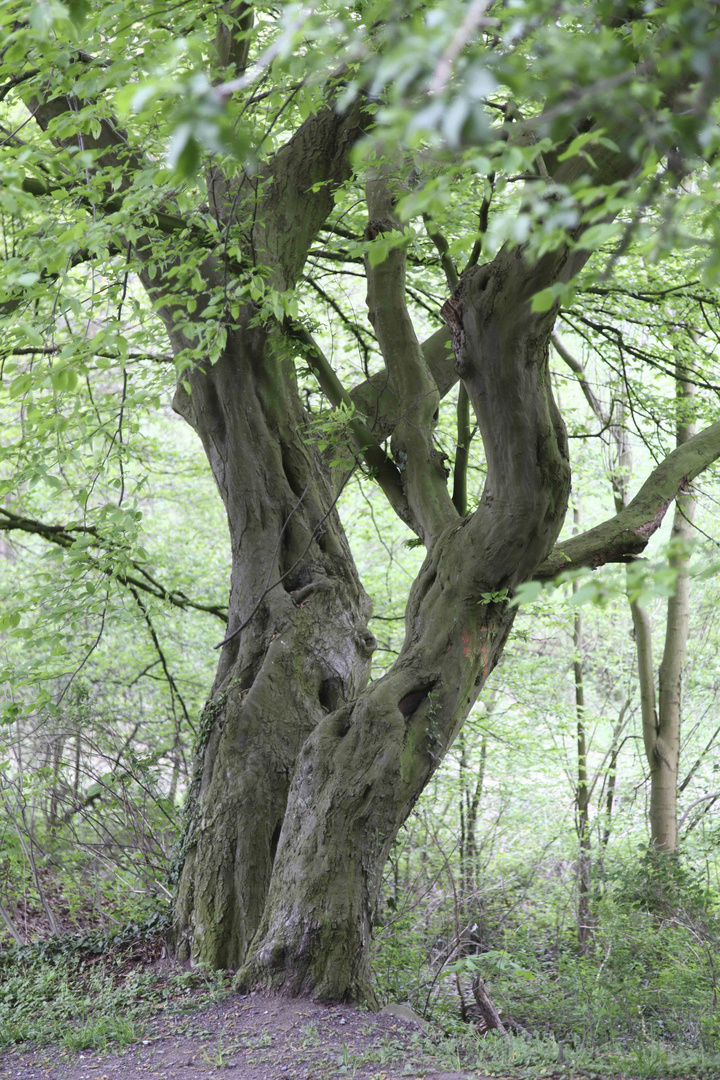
(531, 1057)
(642, 1001)
(95, 991)
(129, 935)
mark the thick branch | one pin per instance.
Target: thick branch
(415, 390)
(443, 250)
(376, 398)
(621, 538)
(232, 39)
(299, 182)
(383, 470)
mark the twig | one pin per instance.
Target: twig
(472, 20)
(712, 798)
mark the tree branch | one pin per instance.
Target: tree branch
(483, 216)
(154, 220)
(66, 535)
(415, 390)
(174, 692)
(443, 249)
(623, 537)
(382, 469)
(577, 368)
(349, 323)
(705, 798)
(299, 181)
(376, 398)
(233, 35)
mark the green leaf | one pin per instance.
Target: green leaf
(28, 278)
(526, 593)
(597, 235)
(377, 251)
(63, 379)
(579, 142)
(28, 333)
(20, 386)
(79, 11)
(543, 300)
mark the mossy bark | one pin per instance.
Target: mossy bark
(304, 775)
(305, 650)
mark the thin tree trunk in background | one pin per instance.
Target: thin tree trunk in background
(615, 747)
(664, 764)
(470, 796)
(175, 776)
(473, 804)
(469, 805)
(58, 745)
(463, 826)
(620, 477)
(661, 712)
(76, 771)
(582, 794)
(10, 926)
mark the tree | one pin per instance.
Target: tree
(661, 725)
(305, 771)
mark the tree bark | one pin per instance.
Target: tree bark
(303, 773)
(661, 711)
(582, 791)
(491, 1018)
(305, 650)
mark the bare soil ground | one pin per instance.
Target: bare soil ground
(252, 1037)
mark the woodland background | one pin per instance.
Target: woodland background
(527, 859)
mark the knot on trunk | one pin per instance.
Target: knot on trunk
(373, 229)
(412, 701)
(451, 312)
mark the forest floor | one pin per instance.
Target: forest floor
(254, 1037)
(138, 1015)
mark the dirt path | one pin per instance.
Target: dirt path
(257, 1037)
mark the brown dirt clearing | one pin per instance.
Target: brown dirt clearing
(249, 1037)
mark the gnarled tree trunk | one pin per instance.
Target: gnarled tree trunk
(305, 649)
(362, 769)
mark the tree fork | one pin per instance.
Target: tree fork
(360, 772)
